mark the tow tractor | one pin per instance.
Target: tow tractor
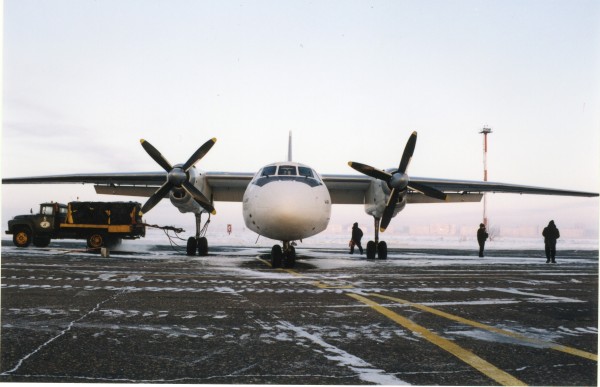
(101, 224)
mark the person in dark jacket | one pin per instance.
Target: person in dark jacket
(356, 237)
(482, 236)
(550, 234)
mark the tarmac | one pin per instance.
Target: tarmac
(421, 317)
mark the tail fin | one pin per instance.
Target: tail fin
(290, 147)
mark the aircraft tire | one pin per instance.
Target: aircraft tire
(290, 258)
(382, 251)
(371, 250)
(191, 246)
(203, 247)
(22, 237)
(276, 257)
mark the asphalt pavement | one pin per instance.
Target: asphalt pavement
(422, 317)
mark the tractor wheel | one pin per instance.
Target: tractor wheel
(22, 237)
(41, 241)
(95, 241)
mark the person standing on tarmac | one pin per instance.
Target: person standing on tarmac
(550, 234)
(356, 237)
(482, 236)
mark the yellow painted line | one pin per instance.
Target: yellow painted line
(545, 344)
(264, 261)
(322, 285)
(557, 347)
(289, 271)
(292, 272)
(468, 357)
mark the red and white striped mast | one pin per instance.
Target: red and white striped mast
(485, 131)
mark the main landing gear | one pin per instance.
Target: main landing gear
(283, 256)
(199, 242)
(376, 248)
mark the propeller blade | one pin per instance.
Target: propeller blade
(370, 171)
(427, 190)
(199, 197)
(408, 152)
(389, 210)
(199, 154)
(156, 155)
(156, 197)
(397, 181)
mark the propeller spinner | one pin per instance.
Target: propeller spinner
(177, 176)
(398, 181)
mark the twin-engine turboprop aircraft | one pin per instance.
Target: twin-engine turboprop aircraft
(287, 201)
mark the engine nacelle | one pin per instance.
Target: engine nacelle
(184, 202)
(377, 197)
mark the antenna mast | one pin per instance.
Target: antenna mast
(485, 131)
(290, 147)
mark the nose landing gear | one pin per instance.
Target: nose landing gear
(283, 257)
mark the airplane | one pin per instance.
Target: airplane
(287, 201)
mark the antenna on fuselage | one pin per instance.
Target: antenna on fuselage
(290, 147)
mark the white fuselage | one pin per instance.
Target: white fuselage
(286, 201)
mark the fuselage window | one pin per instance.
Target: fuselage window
(306, 172)
(287, 170)
(268, 171)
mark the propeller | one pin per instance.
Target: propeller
(177, 176)
(398, 181)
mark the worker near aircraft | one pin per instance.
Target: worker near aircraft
(550, 234)
(356, 237)
(482, 236)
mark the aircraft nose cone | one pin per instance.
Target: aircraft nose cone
(288, 211)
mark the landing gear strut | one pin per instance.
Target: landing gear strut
(285, 256)
(376, 248)
(199, 242)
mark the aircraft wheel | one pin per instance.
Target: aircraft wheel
(290, 258)
(191, 246)
(202, 247)
(22, 237)
(371, 250)
(41, 241)
(382, 250)
(276, 257)
(95, 241)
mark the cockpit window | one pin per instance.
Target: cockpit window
(287, 170)
(306, 172)
(269, 171)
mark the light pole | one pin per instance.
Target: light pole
(485, 131)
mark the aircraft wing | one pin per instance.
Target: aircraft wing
(226, 186)
(344, 189)
(469, 186)
(350, 189)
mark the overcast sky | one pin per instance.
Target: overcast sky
(85, 80)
